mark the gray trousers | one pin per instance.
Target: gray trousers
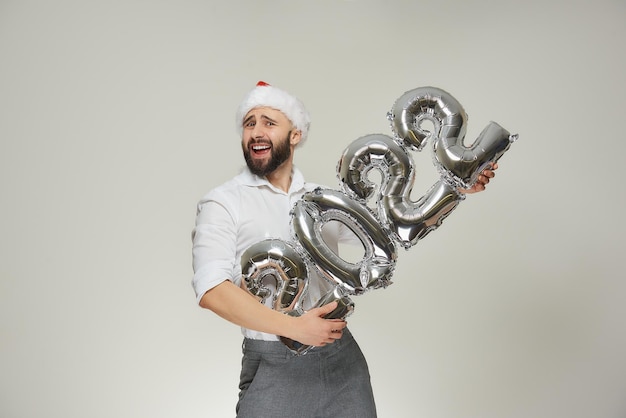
(327, 382)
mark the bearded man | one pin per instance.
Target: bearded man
(332, 378)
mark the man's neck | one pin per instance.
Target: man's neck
(281, 177)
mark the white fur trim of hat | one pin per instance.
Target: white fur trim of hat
(265, 95)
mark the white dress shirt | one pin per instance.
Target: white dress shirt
(241, 212)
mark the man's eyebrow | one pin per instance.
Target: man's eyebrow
(268, 118)
(265, 117)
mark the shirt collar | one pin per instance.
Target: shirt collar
(252, 180)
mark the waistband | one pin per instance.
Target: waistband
(280, 349)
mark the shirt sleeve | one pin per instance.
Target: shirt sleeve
(214, 245)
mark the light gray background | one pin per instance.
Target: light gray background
(117, 116)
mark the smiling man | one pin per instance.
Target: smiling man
(331, 379)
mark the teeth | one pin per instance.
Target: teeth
(260, 147)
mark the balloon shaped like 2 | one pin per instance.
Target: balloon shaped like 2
(274, 268)
(457, 164)
(406, 221)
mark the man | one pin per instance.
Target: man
(332, 379)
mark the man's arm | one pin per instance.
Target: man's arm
(235, 305)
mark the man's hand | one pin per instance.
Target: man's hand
(312, 329)
(483, 179)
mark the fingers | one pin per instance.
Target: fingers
(337, 325)
(330, 336)
(482, 180)
(335, 334)
(326, 309)
(316, 330)
(485, 176)
(489, 173)
(336, 331)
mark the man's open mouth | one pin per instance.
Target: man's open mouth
(260, 149)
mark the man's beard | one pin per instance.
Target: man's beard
(280, 152)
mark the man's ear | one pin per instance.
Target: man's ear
(295, 138)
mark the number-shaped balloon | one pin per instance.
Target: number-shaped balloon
(320, 206)
(274, 268)
(458, 164)
(406, 221)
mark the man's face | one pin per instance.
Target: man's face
(268, 136)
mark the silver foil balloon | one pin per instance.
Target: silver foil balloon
(459, 165)
(406, 220)
(320, 206)
(411, 221)
(273, 268)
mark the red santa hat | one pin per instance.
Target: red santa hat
(265, 95)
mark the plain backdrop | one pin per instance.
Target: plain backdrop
(117, 116)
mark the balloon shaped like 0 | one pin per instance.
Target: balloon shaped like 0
(320, 206)
(406, 220)
(274, 268)
(458, 164)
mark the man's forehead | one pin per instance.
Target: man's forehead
(265, 112)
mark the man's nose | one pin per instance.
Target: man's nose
(257, 131)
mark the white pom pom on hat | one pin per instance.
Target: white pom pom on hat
(265, 95)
